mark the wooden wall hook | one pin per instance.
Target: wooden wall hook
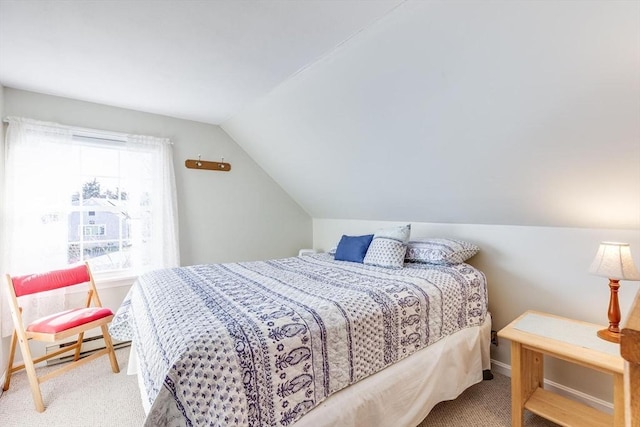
(207, 165)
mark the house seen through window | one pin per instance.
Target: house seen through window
(99, 223)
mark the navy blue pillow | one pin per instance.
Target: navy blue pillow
(353, 248)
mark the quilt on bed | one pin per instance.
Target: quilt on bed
(262, 343)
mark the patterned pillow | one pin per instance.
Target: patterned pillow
(388, 247)
(440, 251)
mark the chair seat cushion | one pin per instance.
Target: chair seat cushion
(68, 319)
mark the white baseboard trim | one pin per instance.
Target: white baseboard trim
(587, 399)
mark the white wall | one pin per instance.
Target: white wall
(539, 268)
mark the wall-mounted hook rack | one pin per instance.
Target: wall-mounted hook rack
(207, 165)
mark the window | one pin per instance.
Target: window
(75, 195)
(93, 230)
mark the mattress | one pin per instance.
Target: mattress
(263, 343)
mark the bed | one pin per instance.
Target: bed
(304, 341)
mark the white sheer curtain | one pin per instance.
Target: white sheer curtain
(164, 249)
(45, 167)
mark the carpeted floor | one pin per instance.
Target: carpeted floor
(486, 404)
(92, 396)
(88, 396)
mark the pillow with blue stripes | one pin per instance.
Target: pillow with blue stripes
(440, 251)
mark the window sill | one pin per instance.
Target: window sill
(106, 281)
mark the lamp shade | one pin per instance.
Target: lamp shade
(614, 261)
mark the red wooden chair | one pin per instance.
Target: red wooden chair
(56, 327)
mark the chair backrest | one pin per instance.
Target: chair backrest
(34, 283)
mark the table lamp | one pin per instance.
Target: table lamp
(614, 262)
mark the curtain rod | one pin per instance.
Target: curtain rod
(86, 132)
(71, 128)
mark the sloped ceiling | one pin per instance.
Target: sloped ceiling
(523, 113)
(199, 59)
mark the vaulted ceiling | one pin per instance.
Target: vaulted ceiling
(199, 59)
(484, 112)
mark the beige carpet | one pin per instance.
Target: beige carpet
(486, 404)
(92, 396)
(88, 396)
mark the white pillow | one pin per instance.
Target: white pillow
(388, 247)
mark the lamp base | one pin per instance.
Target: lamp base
(607, 335)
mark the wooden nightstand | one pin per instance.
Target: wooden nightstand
(535, 334)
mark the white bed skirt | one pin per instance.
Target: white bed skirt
(404, 393)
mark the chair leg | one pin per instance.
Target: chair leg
(31, 374)
(112, 354)
(12, 353)
(78, 346)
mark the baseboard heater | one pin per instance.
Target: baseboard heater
(89, 345)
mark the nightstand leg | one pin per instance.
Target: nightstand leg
(618, 400)
(527, 371)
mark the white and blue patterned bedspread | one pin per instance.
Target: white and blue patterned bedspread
(262, 343)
